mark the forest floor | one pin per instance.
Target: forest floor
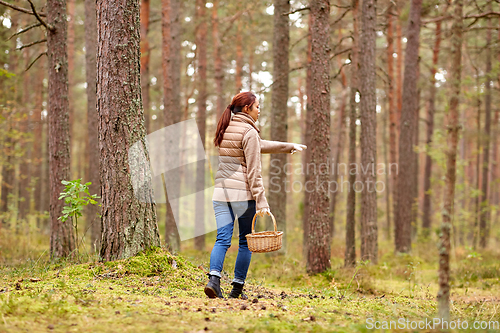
(157, 291)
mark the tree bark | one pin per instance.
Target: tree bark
(145, 56)
(350, 244)
(426, 217)
(452, 138)
(279, 115)
(38, 134)
(485, 204)
(73, 144)
(306, 119)
(219, 74)
(201, 119)
(62, 241)
(387, 178)
(129, 224)
(407, 165)
(239, 59)
(92, 211)
(368, 104)
(338, 149)
(318, 248)
(392, 118)
(171, 99)
(8, 169)
(495, 193)
(25, 127)
(399, 82)
(45, 181)
(477, 199)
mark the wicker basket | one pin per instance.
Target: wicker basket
(264, 241)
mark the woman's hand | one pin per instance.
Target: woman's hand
(298, 147)
(263, 211)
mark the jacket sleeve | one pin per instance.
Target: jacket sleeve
(251, 149)
(275, 147)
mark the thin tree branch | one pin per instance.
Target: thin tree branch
(25, 29)
(339, 53)
(437, 19)
(341, 7)
(281, 77)
(341, 40)
(31, 44)
(298, 41)
(482, 15)
(482, 28)
(296, 11)
(231, 22)
(341, 16)
(340, 69)
(20, 9)
(33, 62)
(470, 16)
(47, 26)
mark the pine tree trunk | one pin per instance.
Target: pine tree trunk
(25, 127)
(399, 78)
(426, 217)
(392, 117)
(494, 192)
(145, 56)
(407, 167)
(250, 67)
(8, 169)
(219, 74)
(92, 211)
(461, 219)
(397, 117)
(477, 200)
(306, 119)
(387, 178)
(484, 213)
(350, 233)
(368, 103)
(338, 146)
(129, 224)
(279, 115)
(239, 58)
(73, 144)
(45, 181)
(172, 110)
(38, 133)
(318, 248)
(452, 138)
(416, 156)
(62, 240)
(201, 120)
(7, 172)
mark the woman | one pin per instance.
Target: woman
(239, 190)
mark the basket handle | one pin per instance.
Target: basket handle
(274, 222)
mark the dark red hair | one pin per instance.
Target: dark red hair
(239, 101)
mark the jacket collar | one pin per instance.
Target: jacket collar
(245, 118)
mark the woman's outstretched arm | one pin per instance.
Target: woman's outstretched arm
(275, 147)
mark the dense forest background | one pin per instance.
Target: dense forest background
(410, 86)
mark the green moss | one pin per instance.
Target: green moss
(159, 291)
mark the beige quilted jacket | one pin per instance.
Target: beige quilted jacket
(239, 175)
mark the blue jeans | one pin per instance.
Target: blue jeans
(225, 213)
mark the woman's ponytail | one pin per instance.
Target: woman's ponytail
(237, 104)
(222, 125)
